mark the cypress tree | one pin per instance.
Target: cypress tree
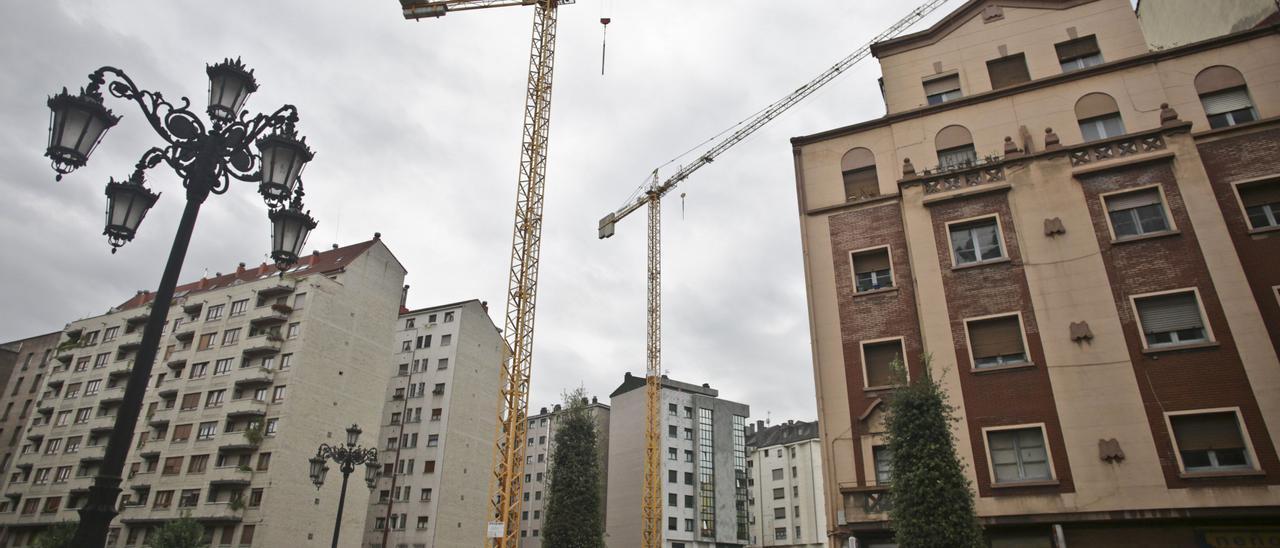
(931, 496)
(573, 518)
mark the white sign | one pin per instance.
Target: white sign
(496, 529)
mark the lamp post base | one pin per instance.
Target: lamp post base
(96, 516)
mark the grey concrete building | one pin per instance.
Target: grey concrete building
(255, 371)
(435, 436)
(21, 386)
(704, 453)
(542, 432)
(785, 463)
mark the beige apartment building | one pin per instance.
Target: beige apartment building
(542, 435)
(23, 384)
(785, 466)
(435, 433)
(1082, 232)
(704, 458)
(256, 371)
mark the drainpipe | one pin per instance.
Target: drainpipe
(1059, 539)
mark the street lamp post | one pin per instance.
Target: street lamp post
(206, 158)
(347, 457)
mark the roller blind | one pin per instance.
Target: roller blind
(1260, 194)
(181, 431)
(1080, 47)
(1167, 313)
(995, 337)
(940, 85)
(1008, 71)
(190, 400)
(1226, 101)
(1207, 431)
(1117, 202)
(861, 182)
(871, 261)
(879, 356)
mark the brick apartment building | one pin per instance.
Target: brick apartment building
(1082, 231)
(255, 371)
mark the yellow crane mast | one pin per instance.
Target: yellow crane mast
(526, 241)
(651, 195)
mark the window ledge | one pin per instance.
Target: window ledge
(875, 291)
(1264, 230)
(1016, 484)
(981, 263)
(881, 388)
(1223, 474)
(999, 368)
(1150, 236)
(1176, 347)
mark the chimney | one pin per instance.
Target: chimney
(543, 411)
(315, 257)
(557, 408)
(200, 284)
(584, 401)
(240, 269)
(485, 306)
(593, 399)
(404, 295)
(262, 269)
(759, 426)
(377, 235)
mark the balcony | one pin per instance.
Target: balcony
(869, 503)
(176, 363)
(193, 308)
(93, 453)
(138, 319)
(229, 476)
(184, 332)
(64, 357)
(271, 317)
(102, 424)
(262, 345)
(111, 396)
(150, 453)
(245, 407)
(256, 376)
(215, 512)
(166, 393)
(160, 417)
(35, 436)
(235, 442)
(278, 289)
(45, 407)
(123, 370)
(130, 342)
(56, 383)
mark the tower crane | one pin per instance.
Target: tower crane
(650, 194)
(526, 241)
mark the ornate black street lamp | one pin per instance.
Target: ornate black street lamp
(206, 158)
(348, 458)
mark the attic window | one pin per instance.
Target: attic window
(941, 90)
(1008, 71)
(1079, 53)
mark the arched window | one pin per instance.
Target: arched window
(859, 169)
(1099, 117)
(1224, 96)
(955, 147)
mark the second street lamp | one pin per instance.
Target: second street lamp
(348, 458)
(206, 158)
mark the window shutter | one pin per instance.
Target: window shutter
(191, 400)
(861, 182)
(871, 261)
(879, 356)
(1080, 47)
(1226, 101)
(1260, 194)
(1207, 431)
(1167, 313)
(941, 85)
(1008, 71)
(1130, 200)
(182, 431)
(995, 337)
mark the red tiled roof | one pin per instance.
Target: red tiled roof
(318, 262)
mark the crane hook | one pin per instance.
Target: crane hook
(604, 36)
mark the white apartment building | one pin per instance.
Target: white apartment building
(705, 493)
(256, 371)
(542, 433)
(435, 436)
(785, 463)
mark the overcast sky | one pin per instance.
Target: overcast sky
(417, 133)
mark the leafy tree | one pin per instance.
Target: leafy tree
(932, 498)
(573, 518)
(58, 536)
(183, 532)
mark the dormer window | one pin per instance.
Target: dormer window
(1079, 53)
(1008, 71)
(941, 90)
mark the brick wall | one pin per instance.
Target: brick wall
(999, 397)
(1199, 378)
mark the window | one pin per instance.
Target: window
(190, 401)
(206, 341)
(198, 464)
(433, 440)
(672, 430)
(222, 367)
(198, 370)
(955, 148)
(90, 338)
(277, 394)
(780, 533)
(292, 332)
(230, 336)
(299, 301)
(673, 409)
(101, 360)
(238, 307)
(1018, 454)
(779, 493)
(996, 341)
(1171, 319)
(1078, 53)
(673, 524)
(780, 513)
(207, 431)
(448, 317)
(877, 362)
(1008, 71)
(976, 241)
(215, 312)
(943, 89)
(1261, 203)
(1210, 442)
(91, 387)
(108, 335)
(189, 498)
(181, 432)
(285, 362)
(872, 270)
(777, 474)
(443, 363)
(1225, 96)
(273, 426)
(446, 340)
(406, 346)
(858, 167)
(883, 459)
(214, 398)
(673, 476)
(172, 465)
(1099, 117)
(1136, 213)
(264, 461)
